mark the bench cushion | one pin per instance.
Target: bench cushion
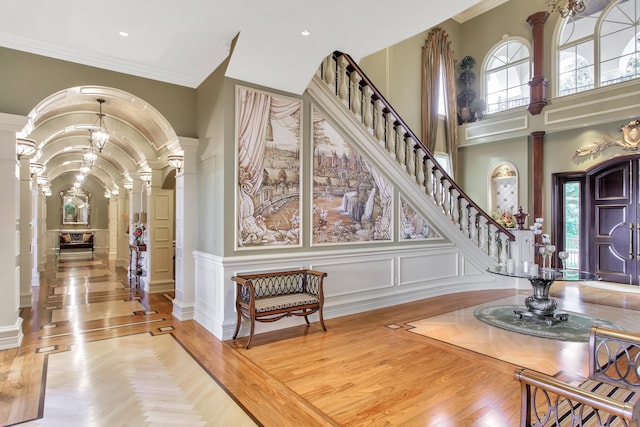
(66, 238)
(284, 301)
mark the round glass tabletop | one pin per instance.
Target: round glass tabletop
(545, 273)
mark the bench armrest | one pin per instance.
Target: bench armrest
(614, 356)
(544, 399)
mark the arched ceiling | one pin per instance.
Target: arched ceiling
(139, 136)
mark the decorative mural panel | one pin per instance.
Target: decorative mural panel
(268, 129)
(412, 225)
(352, 201)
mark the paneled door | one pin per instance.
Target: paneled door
(614, 243)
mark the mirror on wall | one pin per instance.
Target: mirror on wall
(75, 206)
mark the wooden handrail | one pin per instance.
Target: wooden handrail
(419, 144)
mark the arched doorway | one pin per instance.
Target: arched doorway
(140, 140)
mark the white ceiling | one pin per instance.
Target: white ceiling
(183, 42)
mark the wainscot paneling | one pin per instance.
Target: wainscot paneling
(357, 280)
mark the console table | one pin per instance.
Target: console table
(541, 308)
(135, 266)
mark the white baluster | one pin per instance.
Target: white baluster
(473, 226)
(329, 72)
(482, 233)
(429, 188)
(400, 144)
(391, 135)
(410, 162)
(493, 242)
(367, 114)
(504, 255)
(356, 94)
(379, 119)
(343, 83)
(455, 207)
(464, 219)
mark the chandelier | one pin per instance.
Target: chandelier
(570, 9)
(99, 133)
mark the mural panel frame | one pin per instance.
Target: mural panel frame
(351, 202)
(268, 170)
(412, 225)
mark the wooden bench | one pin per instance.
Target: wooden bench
(267, 297)
(607, 398)
(83, 240)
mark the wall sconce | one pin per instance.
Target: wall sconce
(107, 195)
(175, 161)
(128, 185)
(36, 168)
(146, 177)
(42, 180)
(25, 147)
(46, 189)
(115, 191)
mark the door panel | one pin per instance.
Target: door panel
(614, 210)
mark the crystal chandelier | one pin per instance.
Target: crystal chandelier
(570, 9)
(89, 156)
(99, 134)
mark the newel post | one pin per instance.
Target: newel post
(538, 84)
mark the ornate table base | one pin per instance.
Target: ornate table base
(540, 307)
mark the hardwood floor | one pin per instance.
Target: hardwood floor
(368, 369)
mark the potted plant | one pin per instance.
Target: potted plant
(466, 95)
(478, 108)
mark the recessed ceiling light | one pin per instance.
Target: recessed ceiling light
(305, 33)
(124, 34)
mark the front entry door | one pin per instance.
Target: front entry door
(615, 223)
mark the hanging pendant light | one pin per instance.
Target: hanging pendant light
(99, 134)
(89, 156)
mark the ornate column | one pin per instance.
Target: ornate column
(42, 231)
(10, 320)
(537, 166)
(159, 234)
(35, 231)
(26, 213)
(113, 227)
(122, 256)
(538, 84)
(186, 208)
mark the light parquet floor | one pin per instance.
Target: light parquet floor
(139, 366)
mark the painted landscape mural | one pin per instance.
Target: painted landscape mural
(268, 149)
(352, 202)
(413, 226)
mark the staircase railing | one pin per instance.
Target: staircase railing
(359, 95)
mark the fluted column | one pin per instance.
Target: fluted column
(123, 200)
(26, 213)
(538, 84)
(113, 227)
(10, 320)
(35, 232)
(186, 203)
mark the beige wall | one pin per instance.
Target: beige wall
(27, 79)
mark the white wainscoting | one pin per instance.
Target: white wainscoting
(357, 281)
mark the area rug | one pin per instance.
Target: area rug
(575, 328)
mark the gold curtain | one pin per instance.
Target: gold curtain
(437, 52)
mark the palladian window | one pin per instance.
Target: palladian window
(599, 46)
(507, 73)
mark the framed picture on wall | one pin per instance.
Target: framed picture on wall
(268, 165)
(352, 201)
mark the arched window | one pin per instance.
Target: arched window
(599, 46)
(507, 72)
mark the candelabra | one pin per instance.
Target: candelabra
(544, 246)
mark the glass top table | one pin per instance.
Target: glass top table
(540, 307)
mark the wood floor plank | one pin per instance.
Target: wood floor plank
(368, 369)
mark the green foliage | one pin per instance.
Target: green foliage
(468, 62)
